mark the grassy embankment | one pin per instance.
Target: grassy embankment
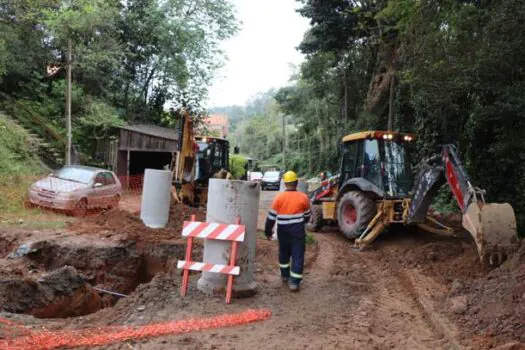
(19, 167)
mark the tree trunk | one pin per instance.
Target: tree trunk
(284, 141)
(345, 106)
(391, 101)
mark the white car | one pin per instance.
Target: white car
(271, 180)
(77, 189)
(255, 176)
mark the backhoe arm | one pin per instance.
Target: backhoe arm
(492, 225)
(434, 172)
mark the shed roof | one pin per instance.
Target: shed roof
(153, 130)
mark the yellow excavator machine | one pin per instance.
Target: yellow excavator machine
(199, 159)
(375, 189)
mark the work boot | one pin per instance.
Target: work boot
(284, 279)
(293, 287)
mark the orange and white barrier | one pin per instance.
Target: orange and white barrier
(199, 266)
(226, 232)
(208, 230)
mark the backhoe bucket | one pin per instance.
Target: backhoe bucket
(493, 227)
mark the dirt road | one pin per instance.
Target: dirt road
(395, 295)
(361, 300)
(347, 301)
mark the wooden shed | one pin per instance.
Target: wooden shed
(135, 148)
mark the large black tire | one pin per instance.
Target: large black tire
(80, 210)
(354, 213)
(316, 219)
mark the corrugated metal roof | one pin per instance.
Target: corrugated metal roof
(153, 130)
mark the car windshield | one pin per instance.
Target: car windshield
(255, 174)
(75, 174)
(271, 175)
(399, 174)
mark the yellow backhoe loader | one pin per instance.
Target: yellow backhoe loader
(375, 189)
(199, 159)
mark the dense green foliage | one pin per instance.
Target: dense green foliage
(237, 163)
(451, 71)
(16, 152)
(130, 59)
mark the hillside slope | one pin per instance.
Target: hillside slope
(17, 154)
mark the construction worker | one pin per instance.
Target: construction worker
(291, 210)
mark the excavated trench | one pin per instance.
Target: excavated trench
(79, 275)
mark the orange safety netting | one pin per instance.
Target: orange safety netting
(108, 335)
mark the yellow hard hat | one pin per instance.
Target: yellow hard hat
(289, 176)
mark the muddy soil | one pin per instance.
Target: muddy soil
(496, 302)
(122, 224)
(64, 274)
(393, 295)
(407, 291)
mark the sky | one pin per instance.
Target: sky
(259, 56)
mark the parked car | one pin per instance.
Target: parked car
(77, 189)
(255, 176)
(271, 180)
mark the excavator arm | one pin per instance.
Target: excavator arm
(192, 192)
(492, 225)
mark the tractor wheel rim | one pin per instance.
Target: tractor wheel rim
(350, 214)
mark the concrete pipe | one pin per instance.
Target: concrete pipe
(227, 200)
(156, 197)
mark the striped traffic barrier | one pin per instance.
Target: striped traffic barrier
(227, 232)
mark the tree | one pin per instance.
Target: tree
(437, 68)
(172, 51)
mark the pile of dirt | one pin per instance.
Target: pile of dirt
(445, 260)
(496, 301)
(75, 275)
(120, 222)
(60, 293)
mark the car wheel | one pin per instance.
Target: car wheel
(114, 202)
(28, 204)
(80, 210)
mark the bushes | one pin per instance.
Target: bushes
(16, 152)
(18, 166)
(237, 164)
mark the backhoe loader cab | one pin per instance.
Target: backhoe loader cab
(377, 162)
(212, 156)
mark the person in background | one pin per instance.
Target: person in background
(291, 210)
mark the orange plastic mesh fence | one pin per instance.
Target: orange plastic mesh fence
(108, 335)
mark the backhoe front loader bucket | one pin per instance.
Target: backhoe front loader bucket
(493, 227)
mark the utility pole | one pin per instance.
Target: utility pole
(68, 102)
(284, 141)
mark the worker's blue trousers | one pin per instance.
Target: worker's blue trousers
(291, 247)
